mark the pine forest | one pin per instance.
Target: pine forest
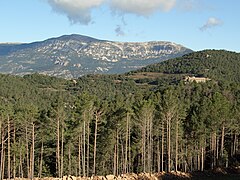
(150, 120)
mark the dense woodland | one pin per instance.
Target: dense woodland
(144, 121)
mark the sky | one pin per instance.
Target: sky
(196, 24)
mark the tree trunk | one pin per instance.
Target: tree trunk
(214, 149)
(115, 160)
(217, 150)
(3, 166)
(9, 149)
(222, 141)
(88, 146)
(169, 143)
(82, 151)
(14, 155)
(122, 159)
(129, 147)
(126, 146)
(202, 159)
(2, 152)
(198, 157)
(62, 148)
(21, 165)
(30, 163)
(41, 162)
(69, 161)
(95, 145)
(158, 156)
(58, 149)
(84, 146)
(150, 144)
(185, 159)
(33, 149)
(79, 155)
(234, 144)
(162, 148)
(144, 146)
(176, 150)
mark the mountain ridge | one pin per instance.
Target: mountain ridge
(71, 56)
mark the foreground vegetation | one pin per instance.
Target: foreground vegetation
(144, 121)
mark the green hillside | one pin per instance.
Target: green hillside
(218, 65)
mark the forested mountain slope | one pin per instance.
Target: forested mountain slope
(215, 64)
(143, 121)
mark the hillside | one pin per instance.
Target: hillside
(71, 56)
(218, 65)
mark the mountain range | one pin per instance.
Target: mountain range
(71, 56)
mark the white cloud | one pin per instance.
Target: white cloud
(80, 11)
(142, 7)
(211, 22)
(77, 11)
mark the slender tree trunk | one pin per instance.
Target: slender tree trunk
(84, 146)
(14, 155)
(82, 151)
(158, 156)
(2, 153)
(41, 162)
(144, 146)
(202, 159)
(30, 163)
(21, 165)
(176, 150)
(162, 148)
(95, 145)
(33, 149)
(169, 143)
(117, 162)
(182, 157)
(9, 150)
(191, 161)
(58, 149)
(222, 140)
(62, 148)
(237, 143)
(150, 146)
(185, 159)
(69, 161)
(88, 146)
(3, 166)
(126, 146)
(122, 159)
(79, 155)
(198, 157)
(129, 147)
(234, 144)
(214, 149)
(217, 150)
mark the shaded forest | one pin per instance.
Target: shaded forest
(149, 120)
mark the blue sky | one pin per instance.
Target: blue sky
(196, 24)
